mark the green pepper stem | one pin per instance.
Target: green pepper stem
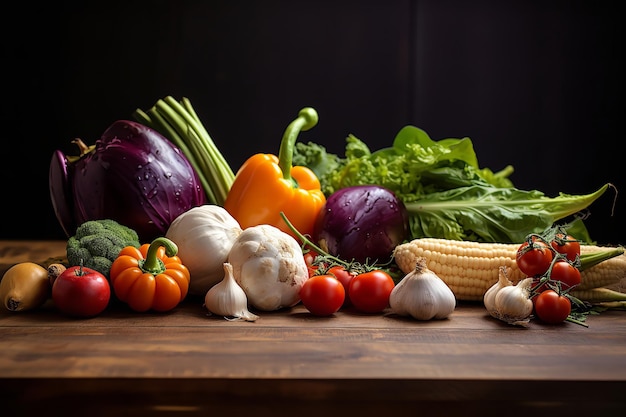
(307, 119)
(152, 264)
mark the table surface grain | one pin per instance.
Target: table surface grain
(189, 362)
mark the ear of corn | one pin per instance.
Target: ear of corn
(599, 295)
(605, 274)
(471, 268)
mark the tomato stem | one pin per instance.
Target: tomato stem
(575, 321)
(307, 242)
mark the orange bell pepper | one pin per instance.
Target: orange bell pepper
(150, 277)
(267, 185)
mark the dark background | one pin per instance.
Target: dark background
(535, 84)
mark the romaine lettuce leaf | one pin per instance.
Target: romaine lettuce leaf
(491, 214)
(447, 193)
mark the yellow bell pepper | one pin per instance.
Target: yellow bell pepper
(267, 185)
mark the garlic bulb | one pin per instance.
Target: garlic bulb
(269, 266)
(204, 236)
(422, 295)
(509, 303)
(228, 299)
(513, 303)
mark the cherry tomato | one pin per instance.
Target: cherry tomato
(369, 292)
(345, 277)
(322, 295)
(534, 260)
(81, 292)
(309, 258)
(567, 245)
(565, 272)
(552, 307)
(312, 270)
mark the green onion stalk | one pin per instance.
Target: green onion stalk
(179, 123)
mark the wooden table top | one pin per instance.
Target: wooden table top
(189, 362)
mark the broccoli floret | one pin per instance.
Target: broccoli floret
(97, 243)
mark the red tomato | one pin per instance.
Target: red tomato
(534, 260)
(312, 270)
(81, 292)
(322, 295)
(566, 245)
(345, 277)
(565, 272)
(309, 258)
(551, 307)
(369, 292)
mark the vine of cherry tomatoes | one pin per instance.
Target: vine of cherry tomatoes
(332, 286)
(554, 264)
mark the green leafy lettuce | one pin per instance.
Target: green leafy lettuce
(446, 192)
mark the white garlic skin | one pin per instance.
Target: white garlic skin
(204, 236)
(489, 299)
(269, 266)
(422, 295)
(228, 299)
(513, 303)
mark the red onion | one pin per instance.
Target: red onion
(362, 223)
(132, 175)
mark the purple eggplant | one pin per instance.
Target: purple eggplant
(363, 223)
(132, 175)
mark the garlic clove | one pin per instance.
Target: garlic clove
(489, 298)
(228, 299)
